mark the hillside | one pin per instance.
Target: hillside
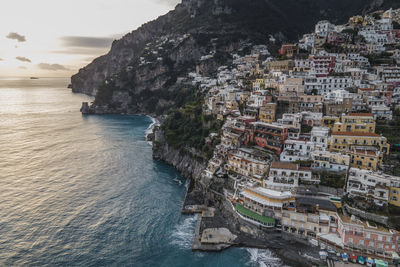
(143, 67)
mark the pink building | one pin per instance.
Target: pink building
(367, 237)
(292, 87)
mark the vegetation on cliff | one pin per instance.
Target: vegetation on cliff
(188, 127)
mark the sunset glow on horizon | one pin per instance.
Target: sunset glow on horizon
(55, 38)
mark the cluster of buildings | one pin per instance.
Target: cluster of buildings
(310, 112)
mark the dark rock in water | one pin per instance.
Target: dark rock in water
(150, 137)
(85, 109)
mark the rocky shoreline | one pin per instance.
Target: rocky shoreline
(202, 195)
(217, 213)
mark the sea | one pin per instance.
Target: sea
(81, 190)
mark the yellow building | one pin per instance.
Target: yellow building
(244, 97)
(260, 81)
(355, 122)
(356, 20)
(310, 220)
(281, 65)
(248, 163)
(329, 121)
(344, 141)
(261, 199)
(259, 84)
(365, 159)
(231, 105)
(394, 196)
(267, 113)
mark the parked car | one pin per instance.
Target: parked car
(345, 257)
(370, 262)
(353, 258)
(361, 260)
(323, 255)
(381, 263)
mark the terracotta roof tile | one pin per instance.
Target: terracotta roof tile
(283, 165)
(361, 114)
(355, 134)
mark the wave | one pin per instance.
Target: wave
(263, 258)
(177, 180)
(149, 130)
(184, 233)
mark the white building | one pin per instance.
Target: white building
(319, 136)
(371, 184)
(372, 37)
(325, 85)
(302, 64)
(384, 24)
(356, 57)
(297, 150)
(307, 42)
(256, 100)
(388, 74)
(293, 123)
(323, 28)
(286, 176)
(340, 95)
(330, 161)
(381, 112)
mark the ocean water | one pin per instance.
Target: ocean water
(84, 190)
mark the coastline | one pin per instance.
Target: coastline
(215, 212)
(290, 249)
(149, 134)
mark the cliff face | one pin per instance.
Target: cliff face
(142, 68)
(187, 165)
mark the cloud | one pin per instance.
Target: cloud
(16, 36)
(86, 41)
(22, 67)
(81, 51)
(23, 59)
(53, 67)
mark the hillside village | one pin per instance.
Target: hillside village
(301, 141)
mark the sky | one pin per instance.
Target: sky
(55, 38)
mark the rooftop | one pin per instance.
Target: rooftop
(284, 165)
(270, 193)
(355, 134)
(366, 152)
(365, 225)
(361, 114)
(248, 213)
(310, 201)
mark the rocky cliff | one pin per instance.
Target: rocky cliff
(184, 162)
(141, 72)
